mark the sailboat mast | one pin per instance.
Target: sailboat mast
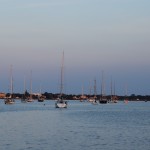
(31, 85)
(90, 88)
(62, 75)
(24, 84)
(95, 90)
(126, 90)
(102, 85)
(114, 88)
(11, 81)
(111, 88)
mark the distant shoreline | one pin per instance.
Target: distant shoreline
(51, 96)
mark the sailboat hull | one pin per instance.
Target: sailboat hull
(9, 101)
(40, 100)
(30, 100)
(59, 104)
(103, 101)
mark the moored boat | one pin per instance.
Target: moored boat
(10, 100)
(61, 103)
(103, 99)
(126, 101)
(30, 99)
(41, 98)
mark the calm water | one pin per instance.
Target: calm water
(35, 126)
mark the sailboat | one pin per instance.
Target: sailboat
(41, 97)
(113, 98)
(90, 98)
(126, 99)
(82, 97)
(30, 99)
(93, 98)
(24, 99)
(103, 99)
(10, 100)
(61, 103)
(95, 93)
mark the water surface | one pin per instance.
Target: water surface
(40, 126)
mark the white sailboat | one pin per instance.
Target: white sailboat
(61, 103)
(10, 100)
(30, 99)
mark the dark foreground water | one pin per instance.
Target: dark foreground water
(82, 126)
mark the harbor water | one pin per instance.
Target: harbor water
(82, 126)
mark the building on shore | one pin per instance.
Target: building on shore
(2, 95)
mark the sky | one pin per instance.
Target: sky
(110, 36)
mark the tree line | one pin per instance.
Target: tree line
(52, 96)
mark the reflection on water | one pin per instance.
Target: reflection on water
(40, 126)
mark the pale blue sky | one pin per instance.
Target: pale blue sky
(96, 35)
